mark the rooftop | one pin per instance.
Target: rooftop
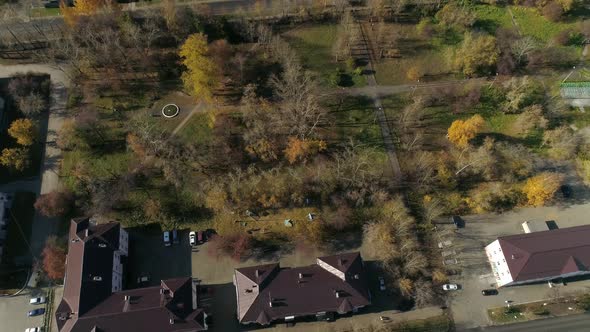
(546, 254)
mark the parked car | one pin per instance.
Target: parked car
(566, 191)
(459, 223)
(37, 300)
(450, 287)
(192, 238)
(167, 242)
(175, 239)
(382, 284)
(488, 292)
(34, 329)
(36, 312)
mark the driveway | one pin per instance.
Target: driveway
(49, 178)
(13, 313)
(474, 273)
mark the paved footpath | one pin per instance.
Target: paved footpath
(48, 179)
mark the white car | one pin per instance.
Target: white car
(450, 287)
(34, 329)
(381, 283)
(192, 238)
(37, 300)
(167, 242)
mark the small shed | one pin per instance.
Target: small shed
(534, 226)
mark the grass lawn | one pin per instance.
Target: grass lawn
(490, 18)
(198, 129)
(314, 47)
(354, 118)
(16, 250)
(98, 166)
(532, 23)
(45, 12)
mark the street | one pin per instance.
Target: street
(574, 323)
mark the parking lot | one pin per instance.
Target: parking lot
(219, 297)
(149, 257)
(472, 269)
(13, 313)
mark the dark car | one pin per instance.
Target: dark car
(175, 239)
(36, 312)
(459, 223)
(488, 292)
(566, 191)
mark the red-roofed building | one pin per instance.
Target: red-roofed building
(93, 298)
(268, 293)
(540, 256)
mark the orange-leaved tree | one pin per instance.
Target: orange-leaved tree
(54, 259)
(82, 8)
(462, 131)
(300, 149)
(542, 187)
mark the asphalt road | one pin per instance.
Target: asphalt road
(573, 323)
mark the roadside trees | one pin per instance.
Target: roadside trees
(15, 158)
(54, 259)
(54, 204)
(541, 188)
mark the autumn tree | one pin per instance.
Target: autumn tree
(462, 131)
(530, 119)
(477, 55)
(54, 259)
(54, 203)
(15, 158)
(406, 286)
(522, 92)
(24, 131)
(452, 15)
(300, 149)
(200, 74)
(563, 142)
(541, 188)
(31, 105)
(81, 8)
(414, 73)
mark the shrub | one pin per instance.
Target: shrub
(553, 11)
(583, 302)
(54, 204)
(54, 259)
(540, 310)
(541, 188)
(237, 245)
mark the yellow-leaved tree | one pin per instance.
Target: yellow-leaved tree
(542, 187)
(24, 131)
(461, 131)
(200, 74)
(82, 8)
(15, 158)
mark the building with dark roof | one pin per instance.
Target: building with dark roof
(540, 256)
(93, 298)
(268, 293)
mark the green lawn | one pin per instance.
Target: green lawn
(434, 324)
(103, 166)
(314, 45)
(354, 118)
(532, 23)
(198, 129)
(491, 18)
(16, 250)
(44, 12)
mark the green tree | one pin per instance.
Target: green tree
(477, 55)
(200, 74)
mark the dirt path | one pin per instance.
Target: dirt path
(198, 108)
(386, 131)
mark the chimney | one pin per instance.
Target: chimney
(161, 290)
(300, 275)
(270, 303)
(337, 294)
(356, 276)
(127, 298)
(513, 256)
(340, 261)
(86, 232)
(257, 273)
(171, 321)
